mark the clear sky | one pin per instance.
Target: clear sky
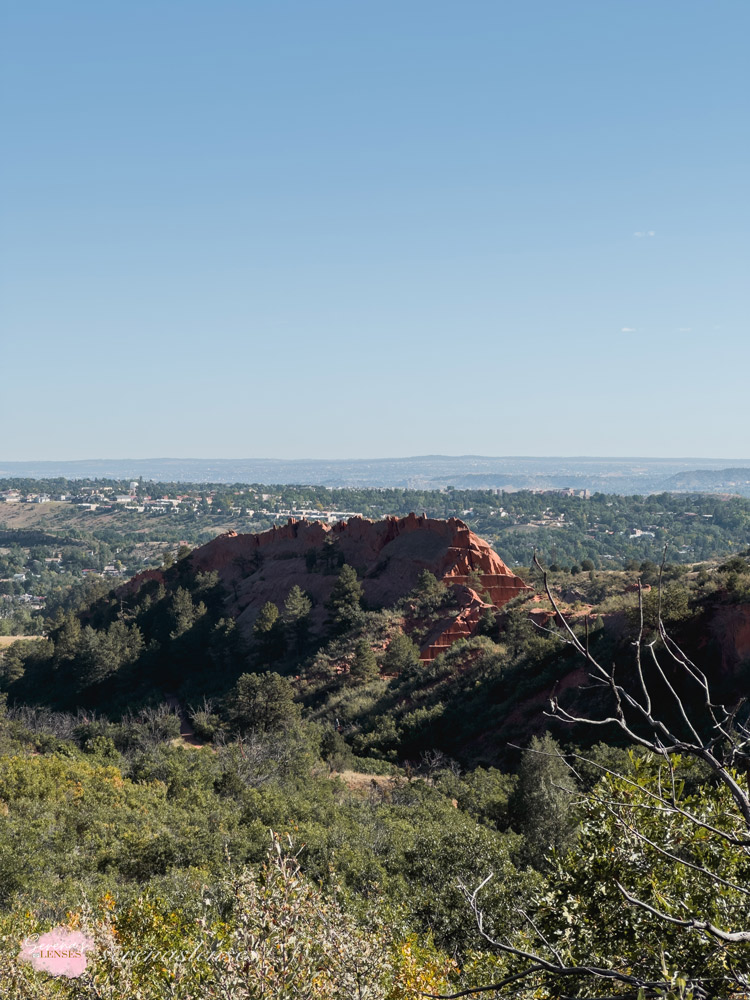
(307, 228)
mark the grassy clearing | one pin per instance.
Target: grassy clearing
(8, 640)
(364, 783)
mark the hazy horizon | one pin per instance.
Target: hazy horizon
(627, 475)
(373, 458)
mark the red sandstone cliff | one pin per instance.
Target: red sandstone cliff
(388, 555)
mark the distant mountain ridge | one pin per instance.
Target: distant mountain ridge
(605, 475)
(735, 480)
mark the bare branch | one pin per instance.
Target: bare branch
(630, 828)
(473, 991)
(638, 645)
(734, 937)
(713, 735)
(669, 805)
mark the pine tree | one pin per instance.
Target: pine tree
(66, 635)
(543, 802)
(266, 620)
(264, 702)
(428, 585)
(365, 666)
(400, 655)
(182, 613)
(345, 603)
(268, 630)
(296, 618)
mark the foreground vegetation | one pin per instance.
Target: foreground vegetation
(300, 813)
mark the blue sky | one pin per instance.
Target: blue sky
(356, 229)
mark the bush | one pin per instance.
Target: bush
(149, 728)
(205, 721)
(401, 655)
(304, 945)
(263, 702)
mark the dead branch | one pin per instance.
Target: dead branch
(726, 742)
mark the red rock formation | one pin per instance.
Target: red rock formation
(389, 556)
(449, 630)
(135, 584)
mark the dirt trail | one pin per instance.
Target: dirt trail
(187, 733)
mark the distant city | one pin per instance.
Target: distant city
(605, 475)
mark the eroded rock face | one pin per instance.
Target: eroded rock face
(450, 629)
(389, 556)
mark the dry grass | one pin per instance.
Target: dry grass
(364, 783)
(8, 640)
(192, 743)
(35, 515)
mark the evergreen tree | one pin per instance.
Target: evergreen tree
(345, 603)
(365, 666)
(401, 655)
(266, 620)
(428, 585)
(268, 631)
(429, 592)
(13, 661)
(226, 646)
(474, 581)
(65, 632)
(542, 807)
(182, 613)
(263, 702)
(296, 618)
(103, 653)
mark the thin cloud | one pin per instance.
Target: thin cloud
(684, 329)
(627, 329)
(645, 232)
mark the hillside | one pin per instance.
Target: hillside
(730, 481)
(363, 689)
(388, 555)
(404, 634)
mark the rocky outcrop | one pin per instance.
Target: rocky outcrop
(389, 556)
(448, 630)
